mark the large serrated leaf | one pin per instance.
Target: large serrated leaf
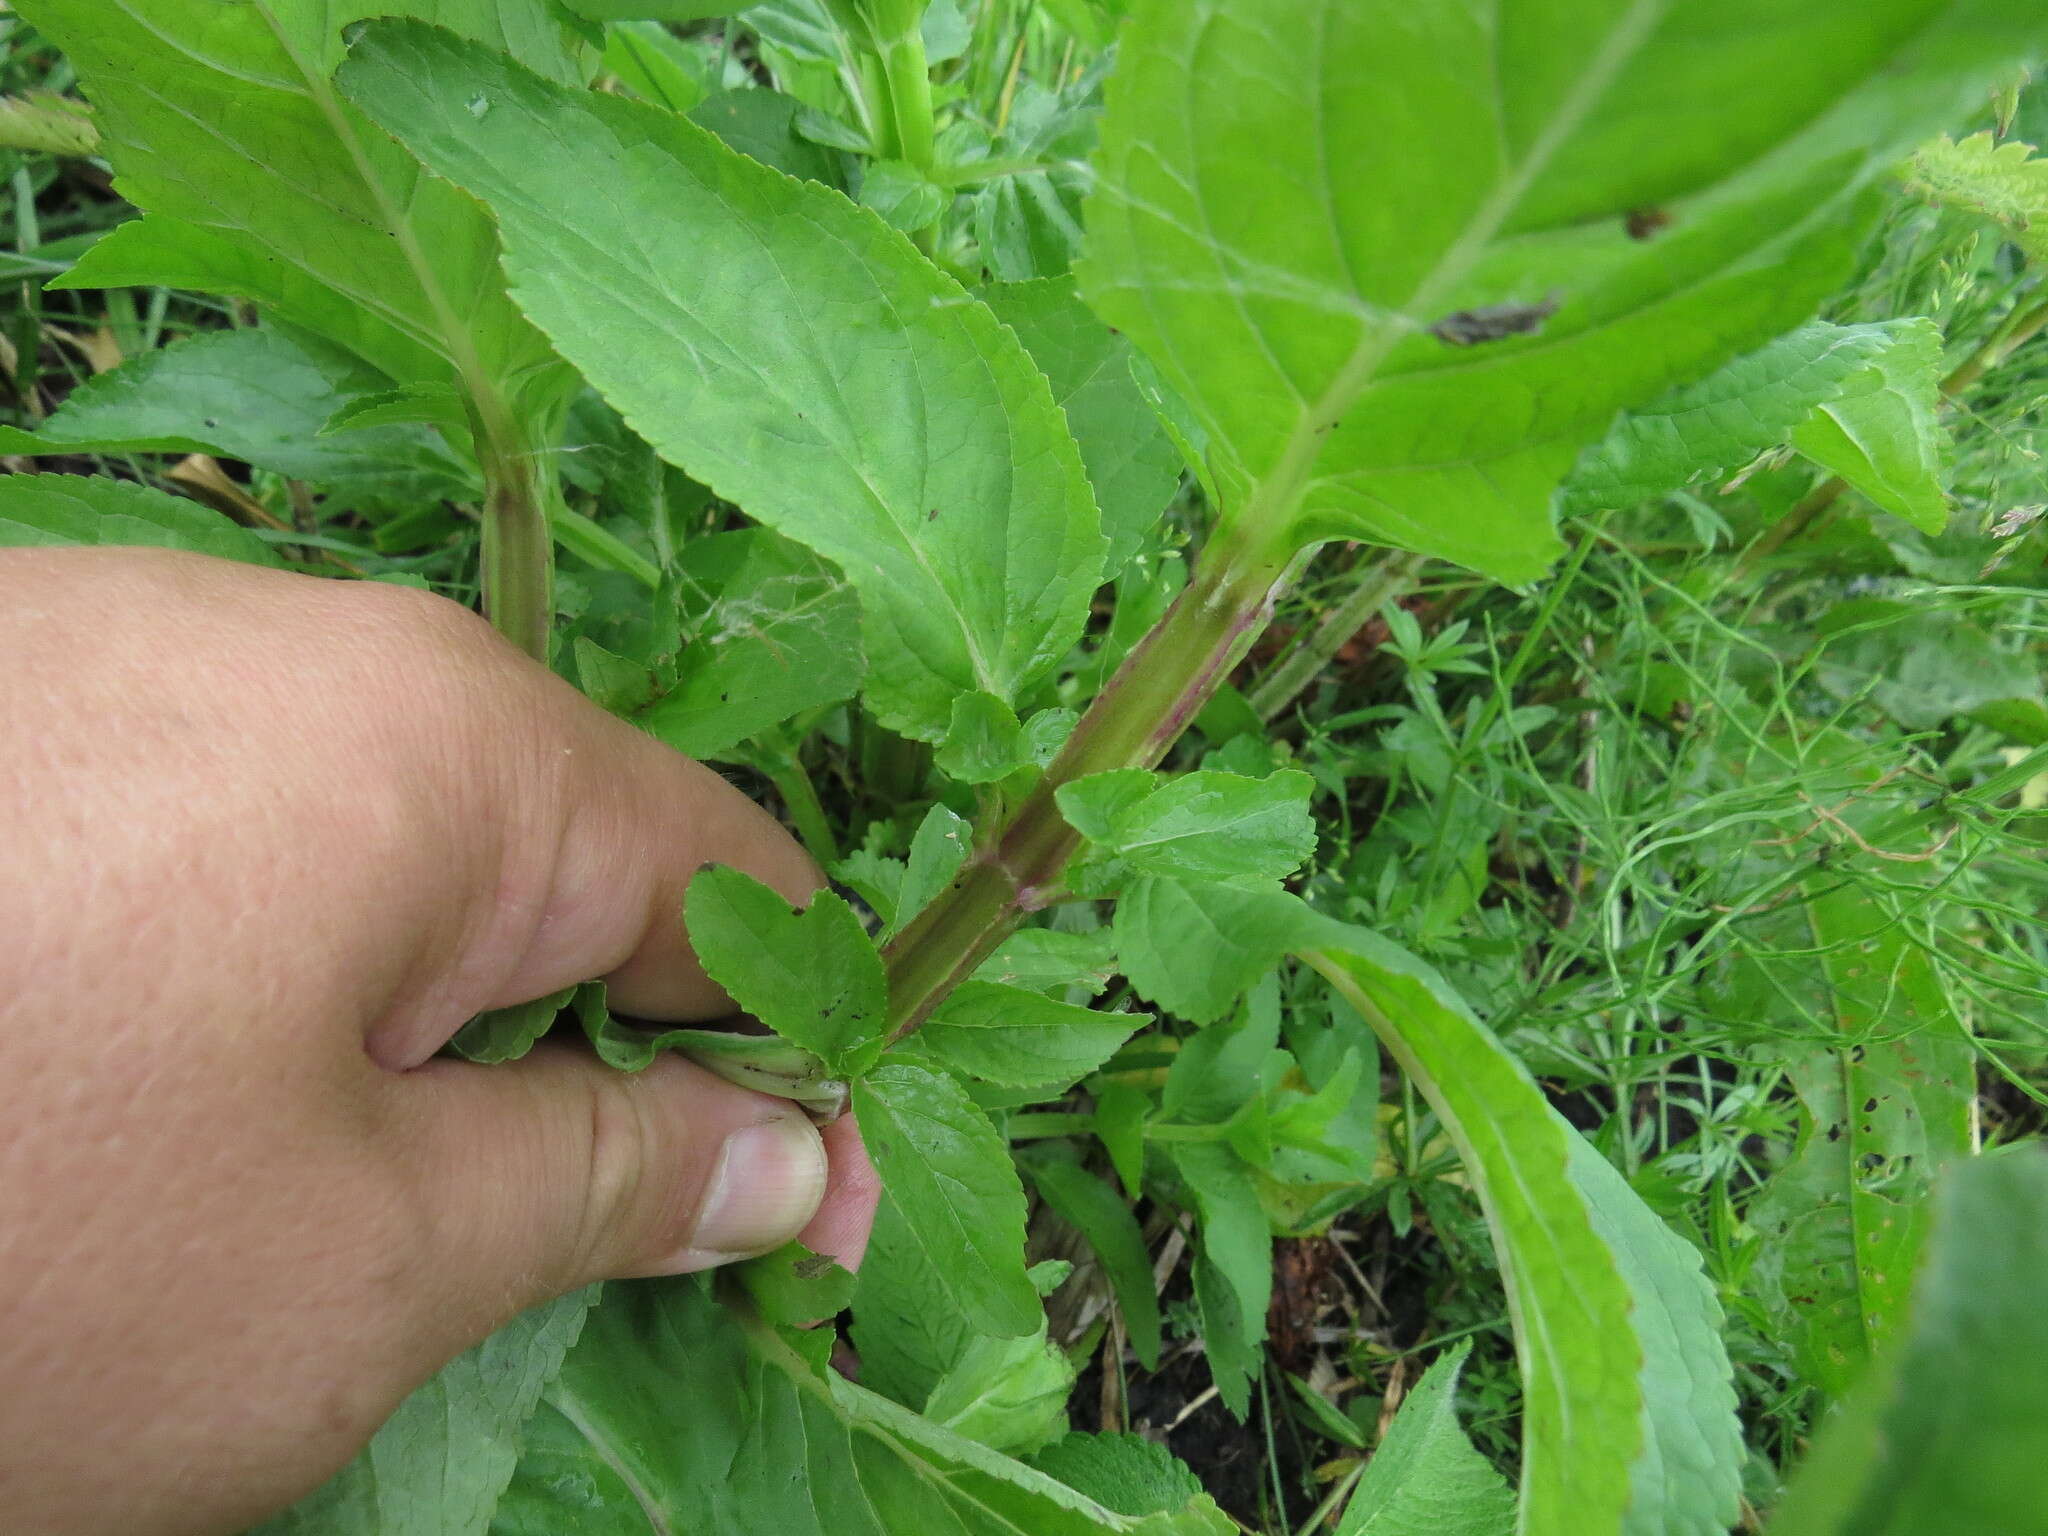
(785, 348)
(1629, 1426)
(440, 1464)
(668, 1417)
(1411, 347)
(221, 124)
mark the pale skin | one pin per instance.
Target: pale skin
(265, 843)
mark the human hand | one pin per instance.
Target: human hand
(268, 842)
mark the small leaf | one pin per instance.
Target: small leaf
(1234, 1271)
(937, 850)
(1046, 959)
(506, 1034)
(951, 1176)
(1204, 825)
(1009, 1394)
(1105, 1220)
(257, 396)
(771, 631)
(1023, 1039)
(1883, 433)
(1128, 1473)
(811, 976)
(795, 1287)
(984, 740)
(1425, 1479)
(901, 194)
(2006, 183)
(1194, 949)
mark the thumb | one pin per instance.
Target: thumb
(549, 1173)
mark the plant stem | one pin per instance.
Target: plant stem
(1154, 696)
(1303, 664)
(800, 799)
(518, 542)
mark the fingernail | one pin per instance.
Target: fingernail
(764, 1191)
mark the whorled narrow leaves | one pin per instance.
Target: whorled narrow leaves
(1575, 221)
(784, 347)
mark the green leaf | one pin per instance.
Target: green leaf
(794, 1287)
(770, 631)
(1629, 1422)
(1101, 1216)
(1203, 825)
(1008, 1394)
(1126, 1473)
(907, 1325)
(812, 976)
(952, 1178)
(51, 510)
(668, 1417)
(257, 396)
(1221, 1069)
(764, 1062)
(1195, 948)
(762, 124)
(1883, 432)
(1425, 1479)
(1419, 359)
(1716, 425)
(1950, 1434)
(1043, 959)
(1132, 463)
(1022, 1039)
(2006, 183)
(196, 105)
(984, 740)
(937, 850)
(652, 10)
(1843, 1222)
(902, 196)
(654, 64)
(439, 1465)
(910, 440)
(506, 1034)
(1234, 1265)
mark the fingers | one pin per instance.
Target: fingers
(845, 1219)
(552, 1172)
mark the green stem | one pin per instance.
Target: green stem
(518, 542)
(1153, 698)
(1303, 664)
(800, 799)
(896, 31)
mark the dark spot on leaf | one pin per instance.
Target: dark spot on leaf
(1834, 1133)
(1645, 222)
(212, 422)
(1870, 1106)
(811, 1266)
(1494, 322)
